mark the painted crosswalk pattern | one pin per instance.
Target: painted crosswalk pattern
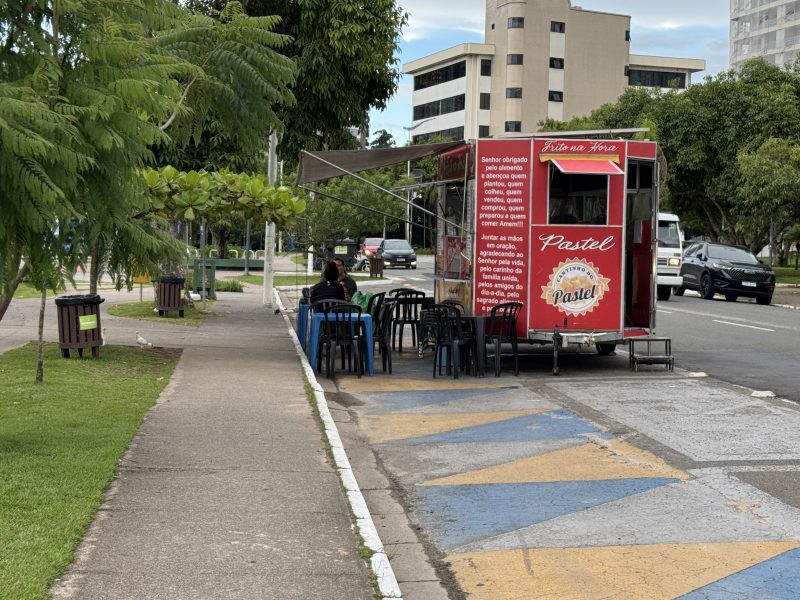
(526, 499)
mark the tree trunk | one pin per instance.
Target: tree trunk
(8, 293)
(40, 345)
(96, 266)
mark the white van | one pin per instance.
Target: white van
(670, 255)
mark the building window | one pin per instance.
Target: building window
(513, 92)
(514, 59)
(516, 22)
(558, 27)
(442, 75)
(627, 35)
(493, 26)
(513, 126)
(486, 67)
(553, 97)
(627, 70)
(454, 133)
(556, 63)
(439, 107)
(484, 101)
(659, 79)
(483, 131)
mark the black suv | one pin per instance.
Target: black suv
(397, 253)
(730, 270)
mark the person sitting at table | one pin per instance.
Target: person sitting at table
(345, 279)
(330, 288)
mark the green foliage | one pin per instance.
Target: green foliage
(382, 139)
(52, 477)
(346, 54)
(241, 80)
(228, 285)
(770, 177)
(199, 194)
(327, 220)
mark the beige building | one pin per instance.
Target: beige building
(542, 59)
(766, 29)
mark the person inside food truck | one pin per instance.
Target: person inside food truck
(562, 214)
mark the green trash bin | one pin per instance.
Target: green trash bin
(197, 277)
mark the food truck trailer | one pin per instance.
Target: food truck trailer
(564, 225)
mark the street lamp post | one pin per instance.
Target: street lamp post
(409, 210)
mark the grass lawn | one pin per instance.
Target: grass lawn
(59, 446)
(787, 275)
(192, 317)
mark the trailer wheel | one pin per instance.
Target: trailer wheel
(663, 292)
(731, 297)
(606, 348)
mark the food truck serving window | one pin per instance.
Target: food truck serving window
(577, 198)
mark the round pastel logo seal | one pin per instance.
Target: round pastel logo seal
(576, 287)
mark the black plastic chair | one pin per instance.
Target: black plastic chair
(502, 328)
(409, 304)
(452, 338)
(342, 330)
(323, 305)
(383, 334)
(374, 305)
(458, 304)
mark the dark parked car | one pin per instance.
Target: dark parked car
(730, 270)
(397, 253)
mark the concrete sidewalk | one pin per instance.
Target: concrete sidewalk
(226, 490)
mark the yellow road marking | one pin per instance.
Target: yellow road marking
(613, 459)
(655, 572)
(386, 428)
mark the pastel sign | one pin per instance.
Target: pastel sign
(576, 287)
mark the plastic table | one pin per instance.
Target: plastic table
(313, 340)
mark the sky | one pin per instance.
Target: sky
(676, 28)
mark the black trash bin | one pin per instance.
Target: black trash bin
(375, 266)
(169, 295)
(79, 324)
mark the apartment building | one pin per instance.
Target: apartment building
(541, 59)
(765, 29)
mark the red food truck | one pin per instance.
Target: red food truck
(564, 225)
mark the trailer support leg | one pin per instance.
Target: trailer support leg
(556, 345)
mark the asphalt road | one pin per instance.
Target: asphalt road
(742, 342)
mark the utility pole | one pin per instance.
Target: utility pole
(269, 231)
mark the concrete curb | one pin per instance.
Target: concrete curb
(387, 582)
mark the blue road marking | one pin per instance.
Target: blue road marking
(553, 425)
(459, 514)
(775, 579)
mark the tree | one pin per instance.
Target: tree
(346, 57)
(770, 177)
(81, 95)
(327, 220)
(702, 132)
(382, 139)
(230, 104)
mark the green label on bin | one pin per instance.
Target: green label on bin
(87, 322)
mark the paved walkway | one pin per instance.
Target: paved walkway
(226, 491)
